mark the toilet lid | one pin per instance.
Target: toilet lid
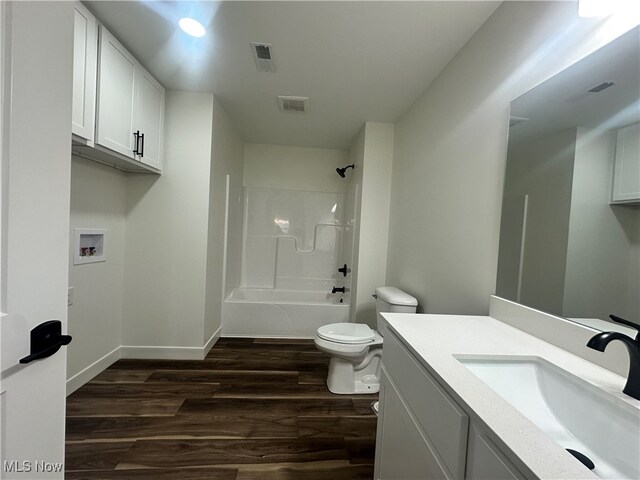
(346, 333)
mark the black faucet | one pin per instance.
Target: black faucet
(601, 340)
(337, 289)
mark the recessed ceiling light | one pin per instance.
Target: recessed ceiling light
(192, 27)
(605, 8)
(594, 8)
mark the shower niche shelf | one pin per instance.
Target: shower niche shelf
(89, 246)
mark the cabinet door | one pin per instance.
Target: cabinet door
(626, 170)
(149, 118)
(439, 417)
(402, 452)
(85, 66)
(116, 96)
(485, 461)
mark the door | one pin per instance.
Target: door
(116, 96)
(36, 45)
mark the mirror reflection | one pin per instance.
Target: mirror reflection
(570, 229)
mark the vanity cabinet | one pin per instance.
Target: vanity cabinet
(130, 105)
(626, 166)
(403, 452)
(423, 433)
(85, 67)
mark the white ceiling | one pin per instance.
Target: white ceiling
(564, 100)
(356, 61)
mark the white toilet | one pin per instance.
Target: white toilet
(356, 349)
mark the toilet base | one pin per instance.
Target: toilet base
(347, 378)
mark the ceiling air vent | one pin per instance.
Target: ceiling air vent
(293, 104)
(263, 56)
(601, 87)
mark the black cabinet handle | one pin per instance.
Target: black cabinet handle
(344, 270)
(46, 339)
(136, 135)
(141, 151)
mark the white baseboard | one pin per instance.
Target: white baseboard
(211, 342)
(169, 353)
(140, 352)
(92, 370)
(161, 353)
(283, 337)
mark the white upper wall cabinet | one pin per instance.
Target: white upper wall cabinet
(130, 105)
(149, 119)
(85, 66)
(626, 167)
(116, 96)
(127, 103)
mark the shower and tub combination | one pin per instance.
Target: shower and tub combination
(289, 260)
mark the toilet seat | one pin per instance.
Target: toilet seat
(348, 333)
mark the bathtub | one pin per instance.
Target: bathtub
(262, 312)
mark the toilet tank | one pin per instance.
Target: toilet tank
(392, 299)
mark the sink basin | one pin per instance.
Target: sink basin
(574, 413)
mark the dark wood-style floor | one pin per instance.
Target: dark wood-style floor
(252, 410)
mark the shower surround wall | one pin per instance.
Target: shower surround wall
(292, 244)
(292, 239)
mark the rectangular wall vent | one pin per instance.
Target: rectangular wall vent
(293, 104)
(263, 56)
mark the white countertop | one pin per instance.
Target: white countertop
(435, 339)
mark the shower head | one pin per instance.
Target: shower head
(344, 169)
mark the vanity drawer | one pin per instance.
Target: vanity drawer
(441, 419)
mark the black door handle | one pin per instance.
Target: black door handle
(344, 270)
(141, 151)
(46, 339)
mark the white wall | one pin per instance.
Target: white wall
(293, 168)
(602, 259)
(450, 150)
(226, 160)
(167, 232)
(374, 217)
(98, 200)
(159, 293)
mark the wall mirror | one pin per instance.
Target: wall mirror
(569, 240)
